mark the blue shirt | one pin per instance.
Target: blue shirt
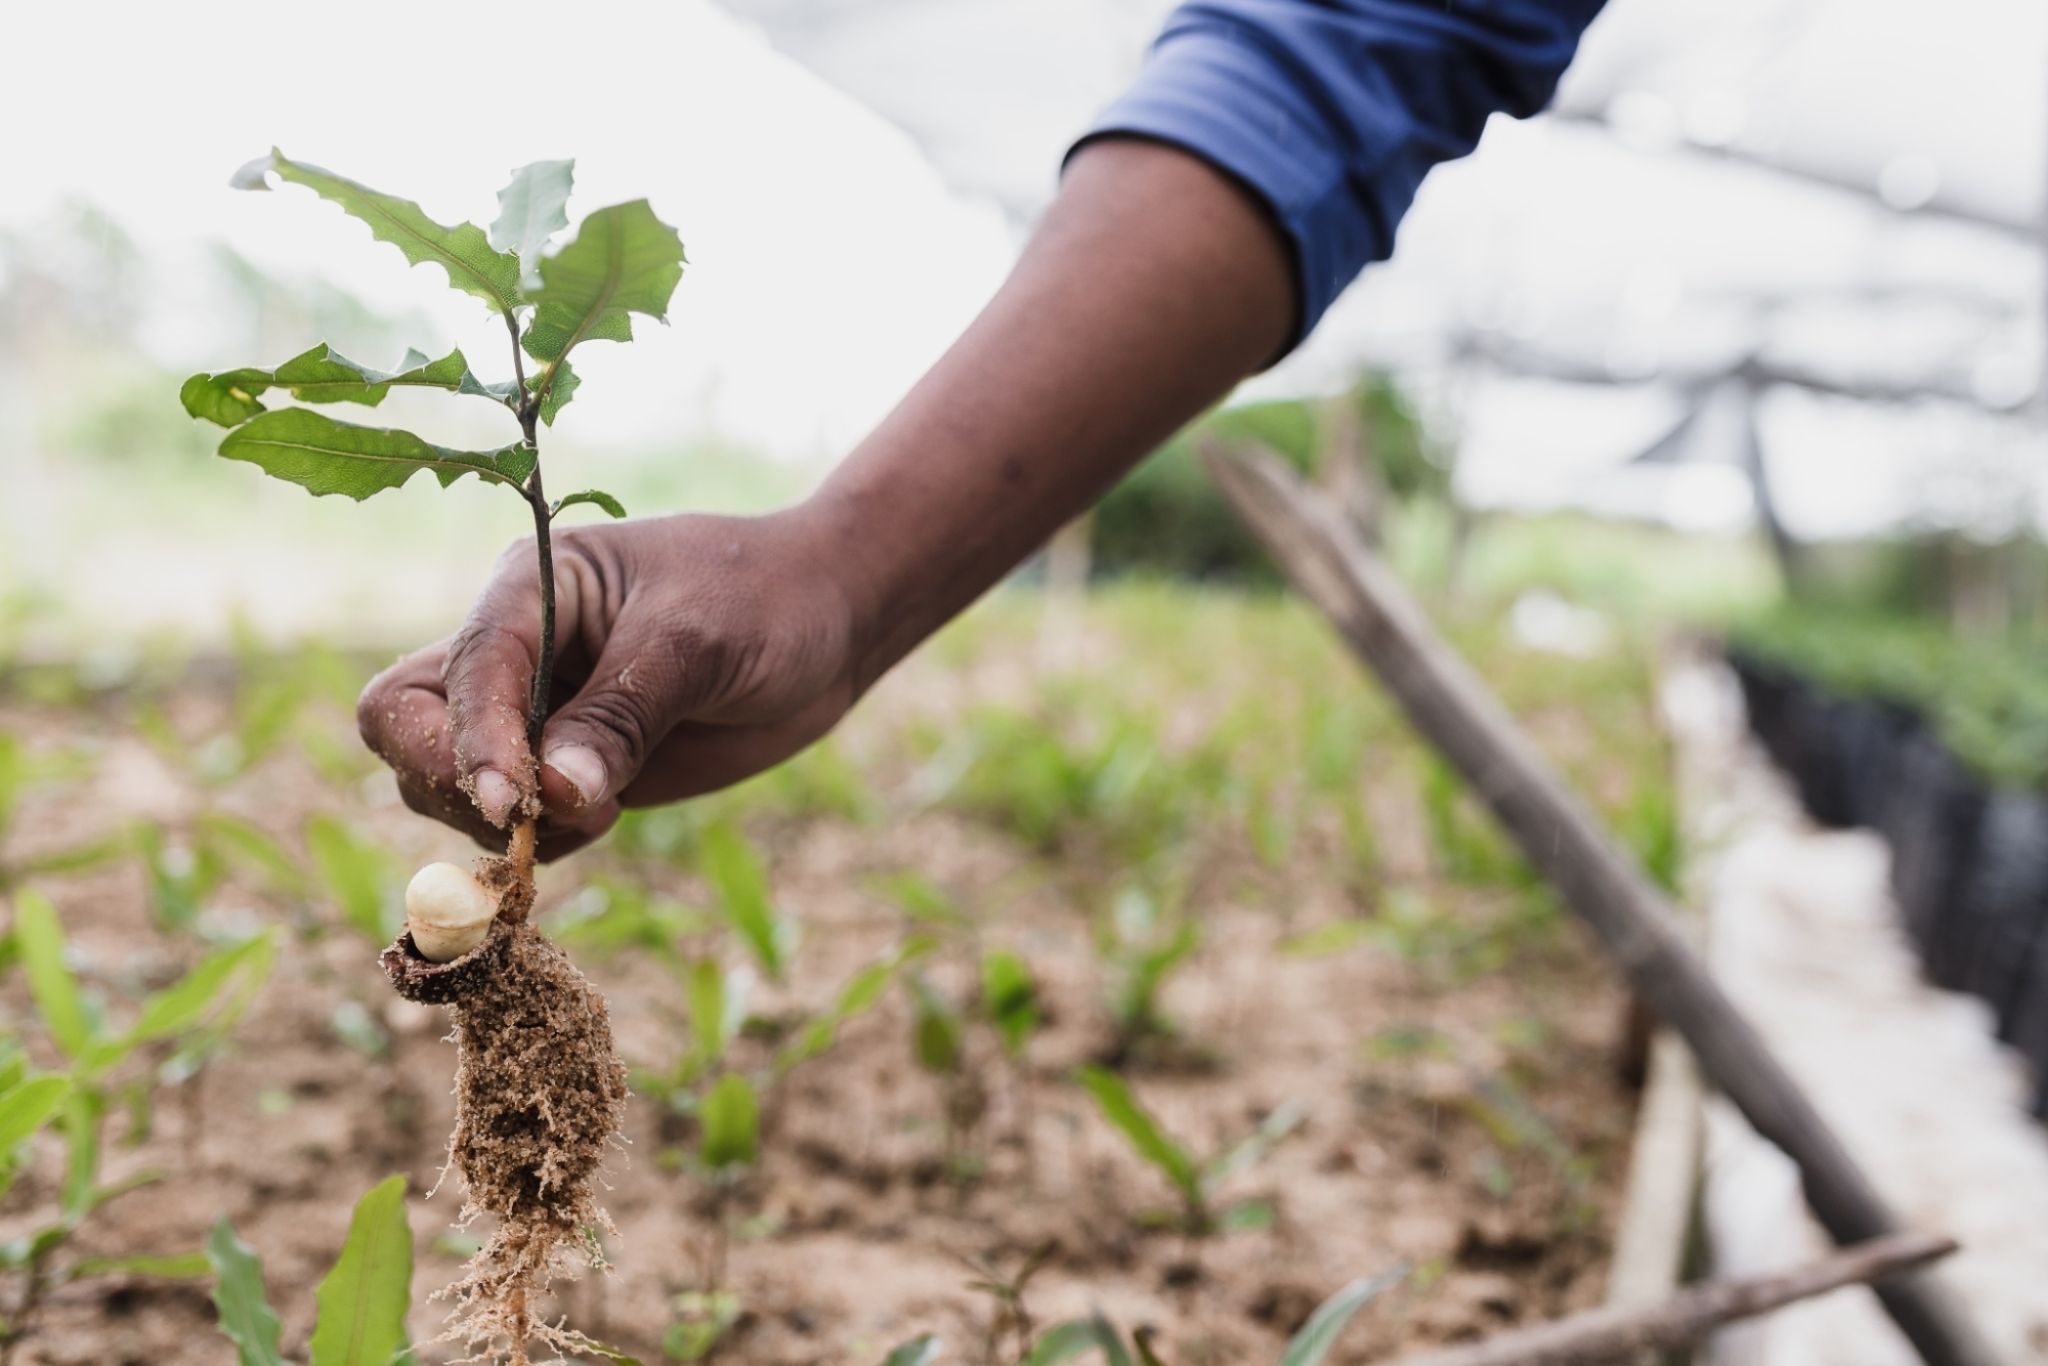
(1332, 111)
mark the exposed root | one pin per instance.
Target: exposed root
(540, 1094)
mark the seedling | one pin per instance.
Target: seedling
(1143, 948)
(939, 1043)
(563, 1103)
(1196, 1181)
(191, 1014)
(741, 886)
(1011, 1319)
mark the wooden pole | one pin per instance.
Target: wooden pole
(1453, 710)
(1613, 1334)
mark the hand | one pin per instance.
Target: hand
(691, 652)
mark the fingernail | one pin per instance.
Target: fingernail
(583, 769)
(495, 795)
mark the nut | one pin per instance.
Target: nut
(448, 911)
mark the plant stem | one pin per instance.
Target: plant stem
(544, 670)
(527, 406)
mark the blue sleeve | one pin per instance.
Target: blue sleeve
(1332, 111)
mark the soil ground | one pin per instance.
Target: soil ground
(1466, 1108)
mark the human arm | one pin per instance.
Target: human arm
(696, 651)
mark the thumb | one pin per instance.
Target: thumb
(599, 740)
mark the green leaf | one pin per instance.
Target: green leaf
(718, 1008)
(49, 978)
(623, 260)
(473, 266)
(256, 849)
(322, 375)
(177, 1266)
(533, 208)
(736, 875)
(363, 1300)
(1136, 1123)
(730, 1118)
(357, 873)
(596, 497)
(245, 1313)
(1078, 1337)
(1249, 1151)
(556, 385)
(923, 899)
(1309, 1346)
(28, 1105)
(916, 1352)
(935, 1029)
(177, 1008)
(1009, 997)
(325, 456)
(857, 997)
(84, 1108)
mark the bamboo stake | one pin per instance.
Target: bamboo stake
(1604, 885)
(1613, 1334)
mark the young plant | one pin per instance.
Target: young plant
(938, 1033)
(1143, 949)
(1197, 1181)
(1011, 1319)
(186, 1020)
(21, 771)
(728, 1147)
(568, 1105)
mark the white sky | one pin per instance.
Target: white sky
(830, 260)
(829, 263)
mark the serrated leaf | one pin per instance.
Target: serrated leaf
(623, 261)
(50, 982)
(595, 497)
(177, 1008)
(1121, 1108)
(921, 1351)
(730, 1118)
(473, 265)
(246, 1317)
(363, 1300)
(323, 375)
(533, 208)
(28, 1105)
(556, 385)
(1309, 1346)
(324, 456)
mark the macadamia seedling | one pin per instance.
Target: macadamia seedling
(540, 1088)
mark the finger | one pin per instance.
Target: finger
(597, 742)
(487, 676)
(403, 717)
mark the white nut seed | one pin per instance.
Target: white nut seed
(448, 911)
